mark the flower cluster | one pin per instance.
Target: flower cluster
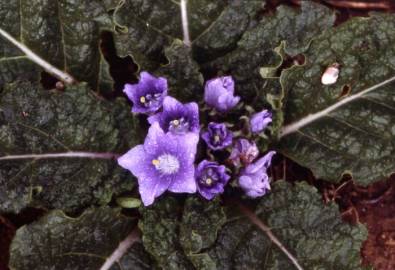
(166, 159)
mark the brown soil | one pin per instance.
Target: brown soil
(7, 231)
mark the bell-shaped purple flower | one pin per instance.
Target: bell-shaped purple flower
(163, 162)
(219, 93)
(254, 179)
(218, 136)
(211, 179)
(243, 152)
(176, 117)
(260, 121)
(148, 94)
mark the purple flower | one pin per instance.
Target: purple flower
(254, 179)
(211, 179)
(243, 152)
(163, 162)
(148, 94)
(219, 93)
(176, 117)
(259, 121)
(217, 136)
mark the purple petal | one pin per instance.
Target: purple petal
(135, 160)
(229, 84)
(154, 118)
(260, 121)
(130, 91)
(261, 164)
(184, 182)
(151, 141)
(187, 144)
(170, 103)
(149, 189)
(209, 195)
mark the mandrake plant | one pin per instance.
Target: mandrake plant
(153, 149)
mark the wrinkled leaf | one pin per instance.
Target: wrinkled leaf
(358, 137)
(146, 27)
(200, 223)
(182, 73)
(17, 68)
(256, 47)
(57, 241)
(65, 33)
(314, 233)
(160, 226)
(36, 121)
(136, 258)
(208, 239)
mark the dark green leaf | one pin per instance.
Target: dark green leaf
(312, 232)
(146, 27)
(358, 137)
(136, 258)
(200, 224)
(57, 241)
(160, 227)
(17, 68)
(222, 35)
(182, 72)
(36, 121)
(199, 234)
(256, 47)
(65, 33)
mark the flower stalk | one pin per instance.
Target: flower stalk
(255, 220)
(92, 155)
(184, 19)
(61, 75)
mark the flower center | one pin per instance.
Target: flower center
(166, 164)
(150, 99)
(217, 137)
(180, 125)
(209, 178)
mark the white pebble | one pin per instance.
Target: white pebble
(331, 74)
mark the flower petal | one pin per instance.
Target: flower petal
(170, 103)
(135, 160)
(206, 194)
(150, 189)
(261, 164)
(130, 90)
(154, 118)
(184, 182)
(187, 144)
(152, 140)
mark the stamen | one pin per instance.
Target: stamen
(142, 99)
(155, 162)
(209, 181)
(166, 164)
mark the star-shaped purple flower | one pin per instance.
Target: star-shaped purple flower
(163, 162)
(211, 179)
(217, 136)
(148, 94)
(260, 121)
(254, 179)
(243, 152)
(176, 117)
(219, 93)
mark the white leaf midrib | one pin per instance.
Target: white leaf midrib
(305, 121)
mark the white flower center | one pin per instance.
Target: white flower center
(166, 164)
